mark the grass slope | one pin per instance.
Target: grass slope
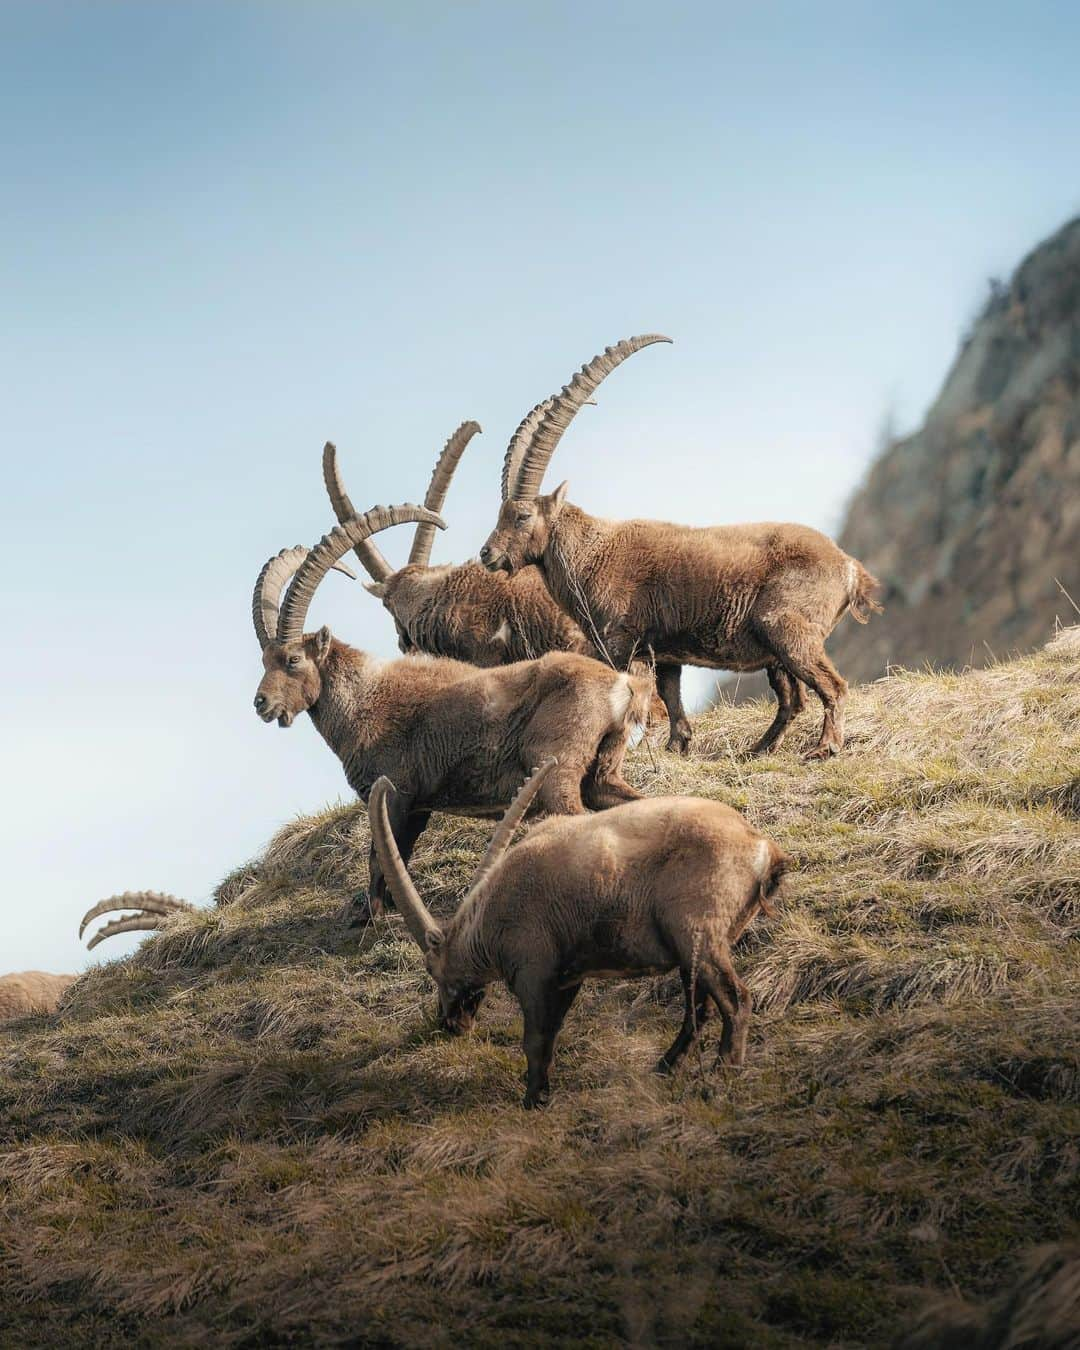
(250, 1132)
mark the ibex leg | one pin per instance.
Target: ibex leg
(799, 646)
(790, 699)
(698, 1012)
(669, 687)
(544, 1009)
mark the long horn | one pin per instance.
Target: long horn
(565, 405)
(153, 907)
(519, 443)
(371, 559)
(269, 585)
(328, 550)
(504, 831)
(418, 918)
(438, 488)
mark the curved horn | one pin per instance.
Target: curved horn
(504, 831)
(328, 550)
(565, 405)
(371, 559)
(438, 488)
(153, 908)
(519, 443)
(418, 918)
(270, 583)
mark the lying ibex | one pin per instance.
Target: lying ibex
(462, 611)
(152, 909)
(656, 884)
(31, 991)
(453, 737)
(733, 597)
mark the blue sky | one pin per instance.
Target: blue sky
(231, 231)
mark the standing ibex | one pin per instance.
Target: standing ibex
(463, 611)
(453, 737)
(31, 991)
(152, 909)
(657, 884)
(733, 597)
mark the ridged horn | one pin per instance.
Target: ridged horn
(371, 559)
(326, 553)
(504, 831)
(271, 582)
(417, 916)
(153, 908)
(519, 443)
(564, 407)
(438, 488)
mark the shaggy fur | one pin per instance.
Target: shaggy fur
(31, 991)
(658, 884)
(736, 597)
(456, 738)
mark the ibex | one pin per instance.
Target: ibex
(733, 597)
(31, 991)
(646, 887)
(453, 737)
(152, 909)
(462, 611)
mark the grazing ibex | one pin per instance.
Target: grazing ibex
(733, 597)
(657, 884)
(152, 909)
(31, 991)
(463, 611)
(453, 737)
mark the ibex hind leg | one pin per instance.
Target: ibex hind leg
(799, 646)
(698, 1011)
(669, 687)
(733, 998)
(790, 701)
(604, 785)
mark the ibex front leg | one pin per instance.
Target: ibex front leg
(406, 826)
(544, 1007)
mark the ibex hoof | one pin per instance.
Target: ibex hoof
(822, 752)
(679, 744)
(664, 1068)
(536, 1101)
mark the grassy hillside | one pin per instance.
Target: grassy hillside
(250, 1131)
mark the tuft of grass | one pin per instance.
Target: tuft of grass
(251, 1132)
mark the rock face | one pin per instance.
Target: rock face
(969, 521)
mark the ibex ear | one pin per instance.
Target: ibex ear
(375, 588)
(434, 938)
(557, 499)
(323, 639)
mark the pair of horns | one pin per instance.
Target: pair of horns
(370, 557)
(153, 909)
(307, 567)
(534, 442)
(418, 918)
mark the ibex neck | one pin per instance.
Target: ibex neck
(346, 680)
(572, 556)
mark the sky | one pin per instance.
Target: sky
(231, 231)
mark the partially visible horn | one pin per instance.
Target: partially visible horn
(417, 916)
(153, 907)
(438, 488)
(371, 559)
(519, 443)
(504, 831)
(328, 550)
(565, 405)
(271, 582)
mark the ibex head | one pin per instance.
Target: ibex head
(293, 661)
(448, 965)
(525, 519)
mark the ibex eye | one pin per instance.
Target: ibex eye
(294, 660)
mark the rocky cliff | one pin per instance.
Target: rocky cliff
(969, 521)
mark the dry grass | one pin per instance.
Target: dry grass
(250, 1132)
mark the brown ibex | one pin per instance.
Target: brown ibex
(657, 884)
(463, 610)
(152, 909)
(453, 737)
(31, 991)
(732, 597)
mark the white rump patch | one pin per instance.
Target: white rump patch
(851, 574)
(762, 856)
(619, 698)
(637, 731)
(502, 633)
